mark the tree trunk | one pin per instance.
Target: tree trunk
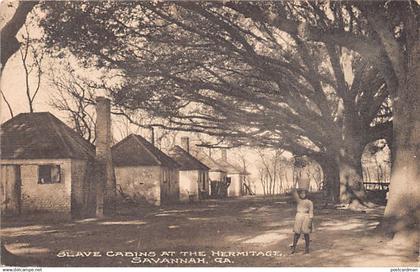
(343, 176)
(330, 171)
(351, 177)
(9, 43)
(349, 158)
(402, 213)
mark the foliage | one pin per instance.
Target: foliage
(212, 68)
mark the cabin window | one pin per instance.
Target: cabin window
(48, 174)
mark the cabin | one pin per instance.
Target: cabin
(144, 173)
(45, 167)
(235, 176)
(217, 175)
(193, 174)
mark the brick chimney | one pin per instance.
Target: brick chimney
(104, 170)
(185, 143)
(224, 154)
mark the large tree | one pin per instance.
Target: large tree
(9, 43)
(387, 34)
(209, 69)
(268, 73)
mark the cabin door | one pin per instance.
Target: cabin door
(11, 188)
(165, 187)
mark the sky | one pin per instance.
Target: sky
(13, 77)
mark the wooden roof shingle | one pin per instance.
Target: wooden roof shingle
(186, 160)
(231, 168)
(134, 150)
(209, 162)
(41, 135)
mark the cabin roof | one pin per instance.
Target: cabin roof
(186, 160)
(231, 168)
(41, 135)
(134, 150)
(209, 162)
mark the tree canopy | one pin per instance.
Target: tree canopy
(176, 57)
(265, 73)
(212, 68)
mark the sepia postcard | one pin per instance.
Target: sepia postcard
(210, 134)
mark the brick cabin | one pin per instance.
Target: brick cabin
(217, 174)
(235, 176)
(144, 173)
(45, 166)
(193, 174)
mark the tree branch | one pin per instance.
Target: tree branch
(9, 43)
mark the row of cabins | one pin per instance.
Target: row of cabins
(46, 166)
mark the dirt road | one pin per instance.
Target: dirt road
(252, 231)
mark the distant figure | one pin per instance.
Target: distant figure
(303, 219)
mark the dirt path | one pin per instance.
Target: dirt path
(214, 228)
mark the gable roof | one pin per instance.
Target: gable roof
(186, 160)
(231, 168)
(41, 135)
(209, 162)
(134, 150)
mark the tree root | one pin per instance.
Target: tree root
(356, 205)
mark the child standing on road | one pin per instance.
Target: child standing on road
(303, 219)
